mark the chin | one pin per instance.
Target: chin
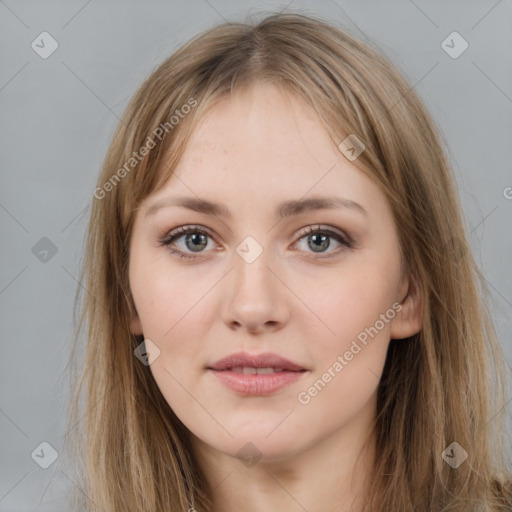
(255, 446)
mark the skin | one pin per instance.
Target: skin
(249, 153)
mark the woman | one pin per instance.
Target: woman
(282, 308)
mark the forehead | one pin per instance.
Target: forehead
(264, 119)
(260, 146)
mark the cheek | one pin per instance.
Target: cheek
(350, 357)
(350, 304)
(176, 309)
(357, 311)
(168, 298)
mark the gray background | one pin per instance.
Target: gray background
(59, 113)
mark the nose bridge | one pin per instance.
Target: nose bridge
(252, 275)
(252, 295)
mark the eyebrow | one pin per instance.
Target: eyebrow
(284, 209)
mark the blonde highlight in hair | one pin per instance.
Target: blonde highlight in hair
(444, 384)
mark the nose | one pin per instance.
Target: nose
(255, 297)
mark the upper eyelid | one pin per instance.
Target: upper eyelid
(183, 230)
(313, 228)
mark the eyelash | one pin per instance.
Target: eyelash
(177, 233)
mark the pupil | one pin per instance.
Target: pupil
(198, 241)
(319, 242)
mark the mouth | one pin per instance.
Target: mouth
(261, 374)
(265, 363)
(249, 370)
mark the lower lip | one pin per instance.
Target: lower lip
(255, 385)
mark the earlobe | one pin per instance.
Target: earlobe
(409, 319)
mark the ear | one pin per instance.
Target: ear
(409, 319)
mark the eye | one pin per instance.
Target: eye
(318, 240)
(195, 239)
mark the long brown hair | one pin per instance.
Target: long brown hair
(445, 384)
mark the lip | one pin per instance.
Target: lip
(264, 360)
(287, 372)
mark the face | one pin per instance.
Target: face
(268, 271)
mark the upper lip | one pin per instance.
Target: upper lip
(265, 360)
